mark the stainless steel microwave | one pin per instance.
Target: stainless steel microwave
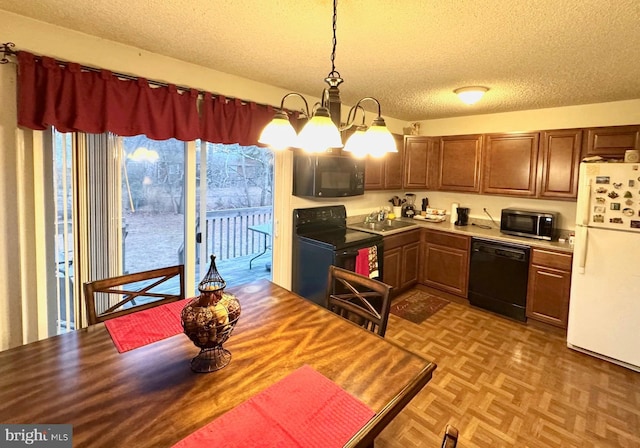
(327, 176)
(527, 223)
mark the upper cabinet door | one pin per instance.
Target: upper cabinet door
(611, 141)
(385, 173)
(460, 163)
(560, 153)
(510, 164)
(374, 173)
(393, 166)
(420, 163)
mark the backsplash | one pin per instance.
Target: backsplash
(475, 202)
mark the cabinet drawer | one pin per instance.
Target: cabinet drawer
(551, 259)
(401, 239)
(446, 239)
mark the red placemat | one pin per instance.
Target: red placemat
(144, 327)
(305, 409)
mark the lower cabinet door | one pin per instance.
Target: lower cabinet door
(548, 295)
(410, 265)
(392, 267)
(446, 268)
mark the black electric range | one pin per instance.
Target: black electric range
(321, 239)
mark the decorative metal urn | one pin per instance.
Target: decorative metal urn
(208, 321)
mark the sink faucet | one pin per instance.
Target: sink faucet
(376, 216)
(373, 217)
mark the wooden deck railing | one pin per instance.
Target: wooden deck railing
(227, 235)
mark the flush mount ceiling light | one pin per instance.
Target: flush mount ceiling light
(322, 131)
(471, 95)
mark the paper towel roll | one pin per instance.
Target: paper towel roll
(454, 211)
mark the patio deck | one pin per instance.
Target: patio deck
(235, 271)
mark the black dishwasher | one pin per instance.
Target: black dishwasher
(498, 276)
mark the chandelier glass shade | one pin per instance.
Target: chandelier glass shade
(356, 143)
(378, 139)
(279, 133)
(320, 133)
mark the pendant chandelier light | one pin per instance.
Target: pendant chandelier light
(322, 130)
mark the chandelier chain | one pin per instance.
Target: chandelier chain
(333, 72)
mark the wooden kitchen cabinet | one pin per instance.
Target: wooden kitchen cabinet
(510, 163)
(420, 163)
(393, 167)
(374, 173)
(401, 260)
(460, 163)
(385, 173)
(612, 141)
(560, 162)
(445, 261)
(549, 287)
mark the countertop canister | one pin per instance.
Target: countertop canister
(454, 214)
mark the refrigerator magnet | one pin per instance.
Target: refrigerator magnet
(599, 209)
(627, 194)
(598, 218)
(615, 220)
(600, 200)
(628, 202)
(627, 211)
(635, 224)
(632, 183)
(615, 206)
(613, 195)
(617, 185)
(601, 190)
(603, 179)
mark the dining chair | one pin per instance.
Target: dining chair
(116, 296)
(360, 299)
(450, 439)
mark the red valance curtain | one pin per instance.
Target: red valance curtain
(72, 99)
(230, 121)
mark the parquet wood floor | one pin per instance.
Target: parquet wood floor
(503, 383)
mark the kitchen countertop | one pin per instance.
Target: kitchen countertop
(470, 230)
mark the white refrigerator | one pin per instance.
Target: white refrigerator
(604, 308)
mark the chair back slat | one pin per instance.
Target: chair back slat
(450, 439)
(362, 300)
(116, 296)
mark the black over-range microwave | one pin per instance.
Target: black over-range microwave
(531, 224)
(327, 176)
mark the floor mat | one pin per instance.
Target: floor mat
(416, 306)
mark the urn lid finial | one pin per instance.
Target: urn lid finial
(213, 281)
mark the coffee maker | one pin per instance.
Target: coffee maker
(463, 216)
(408, 207)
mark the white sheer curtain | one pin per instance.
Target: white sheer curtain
(24, 284)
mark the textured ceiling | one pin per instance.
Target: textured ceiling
(410, 54)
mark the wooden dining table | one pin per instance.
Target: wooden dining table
(149, 397)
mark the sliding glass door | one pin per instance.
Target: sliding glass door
(119, 210)
(130, 204)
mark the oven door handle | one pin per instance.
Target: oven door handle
(347, 253)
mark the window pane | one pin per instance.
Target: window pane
(152, 203)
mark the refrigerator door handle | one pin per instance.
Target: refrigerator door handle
(584, 201)
(580, 252)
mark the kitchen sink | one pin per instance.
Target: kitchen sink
(383, 226)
